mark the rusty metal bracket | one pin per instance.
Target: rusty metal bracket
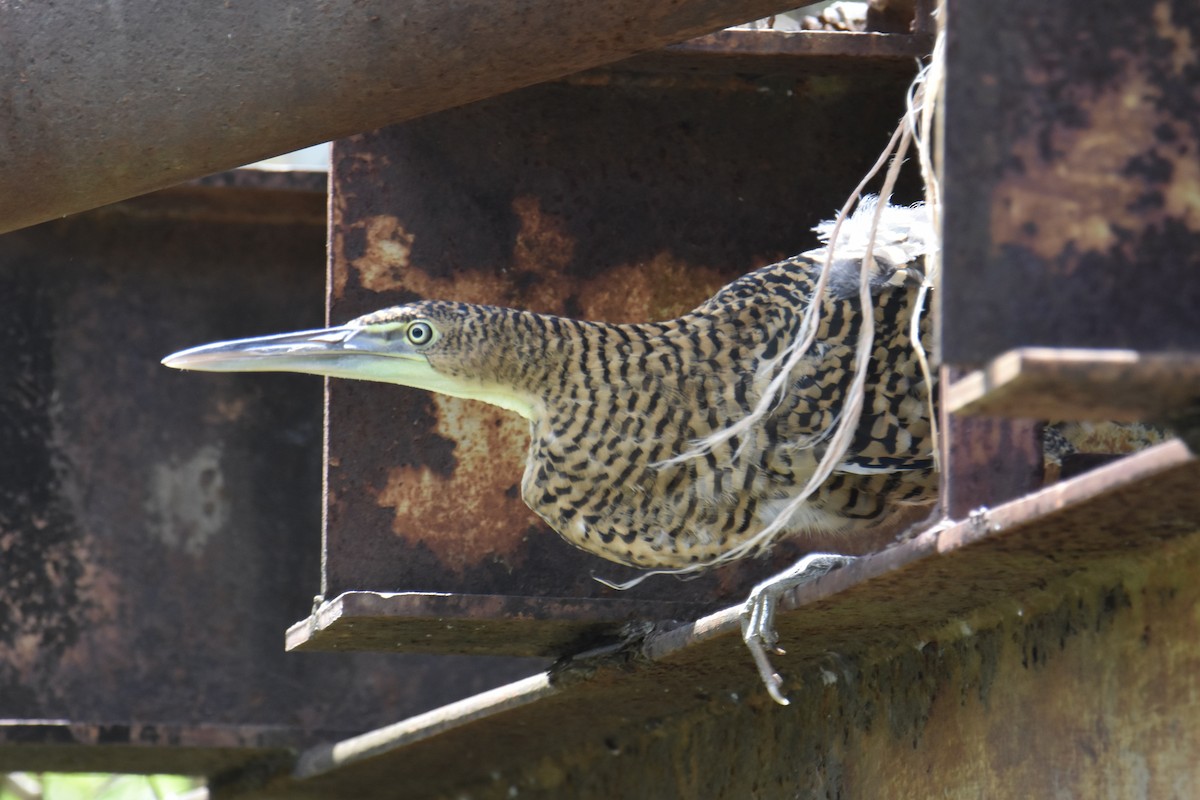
(929, 601)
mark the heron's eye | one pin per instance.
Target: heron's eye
(420, 333)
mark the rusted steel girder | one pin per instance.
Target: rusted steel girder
(103, 101)
(1050, 641)
(617, 197)
(1071, 185)
(158, 532)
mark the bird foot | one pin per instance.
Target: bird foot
(758, 614)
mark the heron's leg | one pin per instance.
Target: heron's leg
(758, 614)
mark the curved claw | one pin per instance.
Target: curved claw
(770, 678)
(758, 613)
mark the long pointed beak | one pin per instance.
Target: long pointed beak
(360, 352)
(343, 352)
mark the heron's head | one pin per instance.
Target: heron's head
(452, 348)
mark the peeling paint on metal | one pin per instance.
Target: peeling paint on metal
(489, 457)
(1079, 186)
(1072, 178)
(660, 288)
(44, 603)
(387, 247)
(186, 501)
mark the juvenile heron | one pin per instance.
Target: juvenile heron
(615, 411)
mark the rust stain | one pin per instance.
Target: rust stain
(541, 247)
(543, 250)
(336, 276)
(479, 506)
(386, 260)
(661, 288)
(1079, 187)
(542, 243)
(1182, 53)
(1183, 192)
(226, 410)
(187, 502)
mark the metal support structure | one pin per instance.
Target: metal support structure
(158, 531)
(986, 460)
(1047, 643)
(152, 505)
(1071, 187)
(103, 101)
(616, 195)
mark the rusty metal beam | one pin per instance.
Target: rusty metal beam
(613, 196)
(1049, 641)
(158, 532)
(106, 101)
(1072, 211)
(986, 460)
(1069, 383)
(787, 53)
(472, 624)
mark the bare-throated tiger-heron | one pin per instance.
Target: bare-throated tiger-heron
(615, 410)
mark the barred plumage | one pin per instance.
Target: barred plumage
(610, 406)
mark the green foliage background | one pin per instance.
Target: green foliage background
(86, 786)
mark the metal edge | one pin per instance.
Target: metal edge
(940, 540)
(424, 726)
(984, 391)
(350, 606)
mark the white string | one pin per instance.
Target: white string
(916, 126)
(809, 326)
(924, 98)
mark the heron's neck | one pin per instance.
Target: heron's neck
(518, 360)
